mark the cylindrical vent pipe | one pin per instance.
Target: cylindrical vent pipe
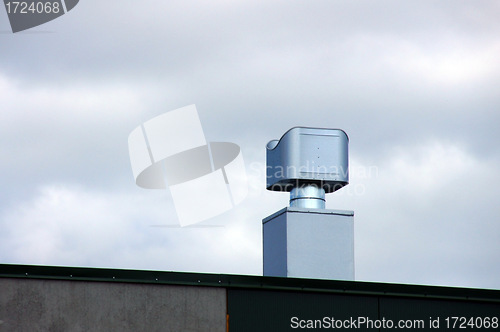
(308, 197)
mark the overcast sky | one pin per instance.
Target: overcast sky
(415, 84)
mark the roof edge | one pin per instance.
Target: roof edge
(247, 282)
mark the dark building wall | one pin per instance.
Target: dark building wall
(45, 298)
(280, 311)
(59, 305)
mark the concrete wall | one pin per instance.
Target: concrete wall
(57, 305)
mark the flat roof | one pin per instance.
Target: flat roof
(247, 282)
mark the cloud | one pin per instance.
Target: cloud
(431, 208)
(68, 133)
(78, 226)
